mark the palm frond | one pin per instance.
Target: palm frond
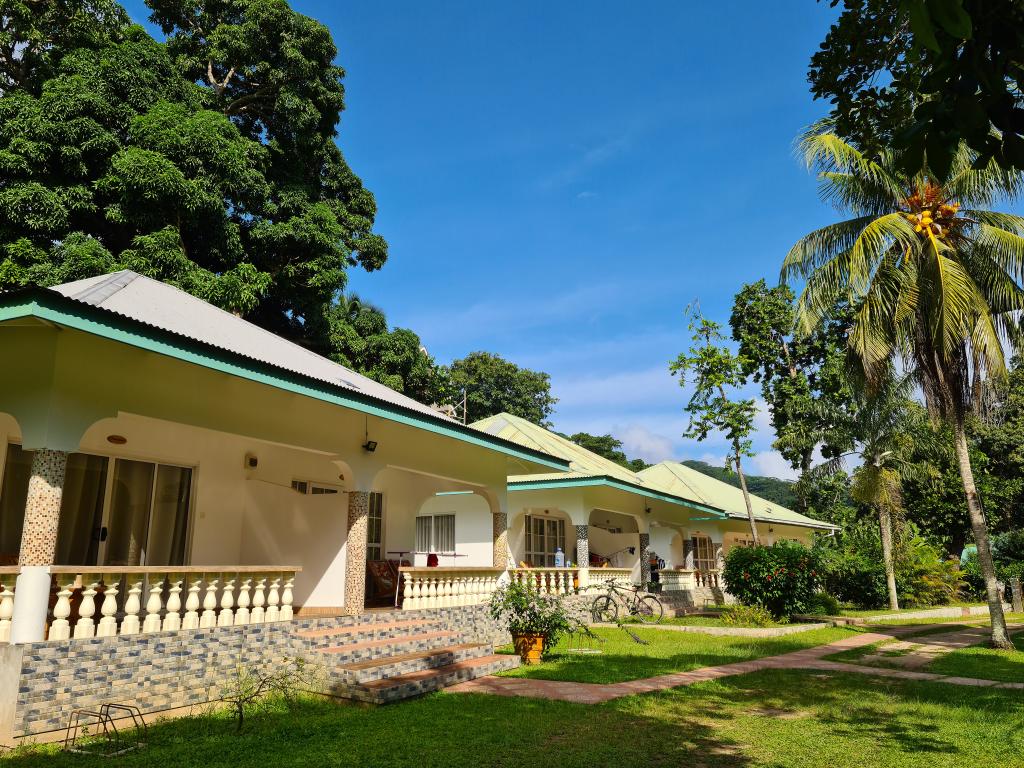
(820, 246)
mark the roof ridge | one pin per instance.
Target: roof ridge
(103, 289)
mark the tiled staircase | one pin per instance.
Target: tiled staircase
(386, 657)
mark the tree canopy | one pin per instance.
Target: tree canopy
(922, 76)
(494, 385)
(609, 447)
(207, 161)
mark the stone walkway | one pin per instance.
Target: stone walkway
(922, 651)
(809, 658)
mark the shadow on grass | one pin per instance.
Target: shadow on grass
(799, 712)
(440, 730)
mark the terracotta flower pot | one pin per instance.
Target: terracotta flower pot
(529, 647)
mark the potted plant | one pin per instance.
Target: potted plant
(535, 621)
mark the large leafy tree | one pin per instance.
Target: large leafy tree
(933, 276)
(715, 373)
(361, 339)
(802, 377)
(208, 161)
(493, 385)
(925, 75)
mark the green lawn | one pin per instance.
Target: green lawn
(977, 661)
(623, 659)
(770, 719)
(984, 663)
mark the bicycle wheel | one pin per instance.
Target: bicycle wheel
(604, 609)
(649, 609)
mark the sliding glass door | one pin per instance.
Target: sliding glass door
(113, 512)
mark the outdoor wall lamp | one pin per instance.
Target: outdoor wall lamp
(370, 446)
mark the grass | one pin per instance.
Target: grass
(984, 663)
(771, 719)
(623, 659)
(977, 661)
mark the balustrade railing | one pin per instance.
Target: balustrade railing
(8, 575)
(602, 575)
(547, 581)
(447, 587)
(708, 579)
(176, 598)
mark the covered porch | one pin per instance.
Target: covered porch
(152, 481)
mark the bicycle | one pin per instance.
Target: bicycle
(645, 607)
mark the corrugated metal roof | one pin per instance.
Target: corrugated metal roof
(669, 477)
(163, 306)
(673, 477)
(582, 463)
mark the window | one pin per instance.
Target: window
(375, 528)
(543, 537)
(435, 533)
(309, 488)
(704, 555)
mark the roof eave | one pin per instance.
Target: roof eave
(613, 482)
(56, 308)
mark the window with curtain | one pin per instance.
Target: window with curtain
(435, 533)
(543, 536)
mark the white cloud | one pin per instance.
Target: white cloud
(620, 391)
(585, 195)
(583, 163)
(772, 464)
(639, 441)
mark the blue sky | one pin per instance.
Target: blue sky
(557, 181)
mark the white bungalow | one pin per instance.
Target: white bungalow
(610, 522)
(145, 432)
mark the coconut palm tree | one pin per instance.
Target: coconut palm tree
(878, 424)
(934, 277)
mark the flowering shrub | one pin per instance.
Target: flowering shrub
(781, 578)
(748, 616)
(525, 612)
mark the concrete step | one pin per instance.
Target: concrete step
(361, 672)
(365, 650)
(405, 686)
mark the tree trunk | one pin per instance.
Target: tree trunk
(746, 499)
(885, 528)
(1000, 637)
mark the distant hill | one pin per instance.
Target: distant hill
(771, 488)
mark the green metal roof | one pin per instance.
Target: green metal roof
(680, 479)
(669, 480)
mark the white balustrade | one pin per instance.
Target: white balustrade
(708, 579)
(7, 580)
(604, 575)
(447, 587)
(216, 597)
(548, 581)
(677, 580)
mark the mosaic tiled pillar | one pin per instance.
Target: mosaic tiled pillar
(645, 558)
(582, 546)
(355, 555)
(42, 507)
(499, 528)
(38, 545)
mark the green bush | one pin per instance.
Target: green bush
(924, 577)
(781, 578)
(522, 610)
(824, 604)
(747, 616)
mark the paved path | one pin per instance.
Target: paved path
(919, 652)
(809, 658)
